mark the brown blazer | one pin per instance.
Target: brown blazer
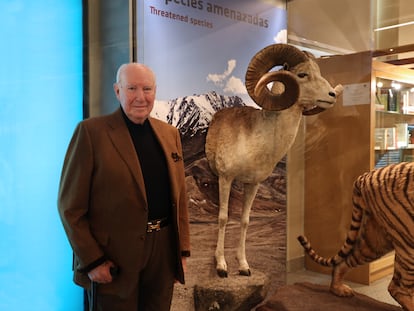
(102, 200)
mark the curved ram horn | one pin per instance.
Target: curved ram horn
(265, 60)
(267, 98)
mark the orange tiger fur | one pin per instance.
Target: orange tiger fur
(382, 221)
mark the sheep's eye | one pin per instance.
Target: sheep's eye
(302, 75)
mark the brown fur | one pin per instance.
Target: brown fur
(382, 221)
(245, 144)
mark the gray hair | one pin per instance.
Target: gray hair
(123, 66)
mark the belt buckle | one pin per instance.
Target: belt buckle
(154, 226)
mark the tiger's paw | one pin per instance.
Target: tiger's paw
(341, 290)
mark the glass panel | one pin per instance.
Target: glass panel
(327, 32)
(394, 117)
(367, 42)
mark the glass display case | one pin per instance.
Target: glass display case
(370, 126)
(394, 118)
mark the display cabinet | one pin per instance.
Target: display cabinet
(394, 114)
(370, 126)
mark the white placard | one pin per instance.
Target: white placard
(356, 94)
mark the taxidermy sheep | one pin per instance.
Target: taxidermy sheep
(245, 143)
(382, 220)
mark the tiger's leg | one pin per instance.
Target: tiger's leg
(403, 296)
(401, 287)
(371, 243)
(337, 285)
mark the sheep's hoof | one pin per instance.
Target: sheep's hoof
(245, 272)
(222, 273)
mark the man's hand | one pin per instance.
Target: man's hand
(102, 273)
(184, 263)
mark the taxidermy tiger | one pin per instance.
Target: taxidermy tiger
(382, 221)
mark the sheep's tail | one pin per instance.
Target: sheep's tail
(323, 261)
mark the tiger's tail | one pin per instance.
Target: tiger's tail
(351, 235)
(323, 261)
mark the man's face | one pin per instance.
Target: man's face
(136, 92)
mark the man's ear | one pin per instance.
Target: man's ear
(116, 90)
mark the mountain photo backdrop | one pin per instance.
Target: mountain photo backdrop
(199, 51)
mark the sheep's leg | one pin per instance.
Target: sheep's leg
(224, 194)
(250, 191)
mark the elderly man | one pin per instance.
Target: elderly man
(122, 200)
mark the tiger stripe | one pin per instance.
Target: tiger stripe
(382, 220)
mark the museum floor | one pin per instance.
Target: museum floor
(377, 290)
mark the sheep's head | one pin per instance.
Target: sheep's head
(299, 81)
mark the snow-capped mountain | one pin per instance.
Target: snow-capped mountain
(192, 114)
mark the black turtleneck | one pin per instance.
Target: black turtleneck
(154, 168)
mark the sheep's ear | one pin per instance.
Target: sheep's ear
(286, 66)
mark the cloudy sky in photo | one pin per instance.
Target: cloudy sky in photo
(205, 51)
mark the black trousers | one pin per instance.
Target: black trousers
(155, 283)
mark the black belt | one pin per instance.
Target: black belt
(157, 224)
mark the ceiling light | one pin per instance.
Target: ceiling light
(394, 26)
(396, 85)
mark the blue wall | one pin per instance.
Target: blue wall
(40, 104)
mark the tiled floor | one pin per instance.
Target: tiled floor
(377, 290)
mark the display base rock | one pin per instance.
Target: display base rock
(312, 297)
(232, 293)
